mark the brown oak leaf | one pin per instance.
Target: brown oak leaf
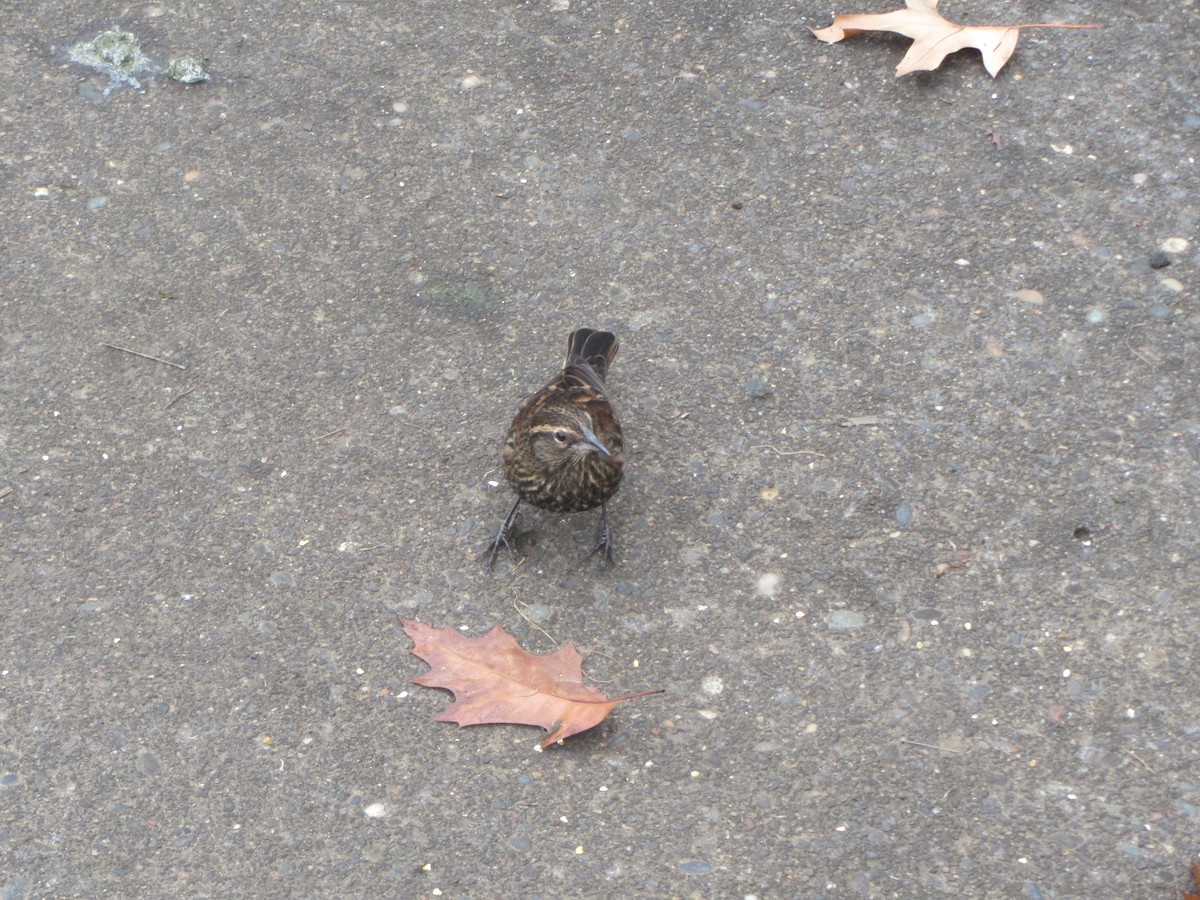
(495, 681)
(934, 37)
(1196, 875)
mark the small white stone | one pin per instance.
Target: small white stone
(1174, 245)
(768, 585)
(375, 811)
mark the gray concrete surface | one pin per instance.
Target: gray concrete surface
(909, 527)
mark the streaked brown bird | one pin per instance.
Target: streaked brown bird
(564, 450)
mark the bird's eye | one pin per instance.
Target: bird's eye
(560, 436)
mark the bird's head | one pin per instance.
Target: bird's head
(564, 436)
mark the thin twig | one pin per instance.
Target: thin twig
(1130, 346)
(330, 434)
(847, 334)
(1145, 765)
(5, 491)
(520, 612)
(929, 746)
(593, 652)
(779, 452)
(179, 397)
(158, 359)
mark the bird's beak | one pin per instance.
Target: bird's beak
(593, 443)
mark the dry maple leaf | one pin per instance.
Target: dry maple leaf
(934, 37)
(495, 681)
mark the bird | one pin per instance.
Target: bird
(564, 451)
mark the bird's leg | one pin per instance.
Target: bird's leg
(502, 538)
(607, 539)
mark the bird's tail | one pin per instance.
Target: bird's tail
(596, 348)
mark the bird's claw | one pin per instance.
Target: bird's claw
(493, 549)
(607, 541)
(503, 538)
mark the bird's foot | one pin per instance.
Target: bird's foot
(504, 538)
(608, 538)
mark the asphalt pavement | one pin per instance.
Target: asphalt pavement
(908, 378)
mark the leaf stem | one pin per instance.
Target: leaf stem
(1047, 25)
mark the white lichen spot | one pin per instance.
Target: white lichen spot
(712, 685)
(1173, 245)
(768, 585)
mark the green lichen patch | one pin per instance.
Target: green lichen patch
(117, 54)
(187, 70)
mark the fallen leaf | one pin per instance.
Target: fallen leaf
(1196, 875)
(495, 681)
(934, 37)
